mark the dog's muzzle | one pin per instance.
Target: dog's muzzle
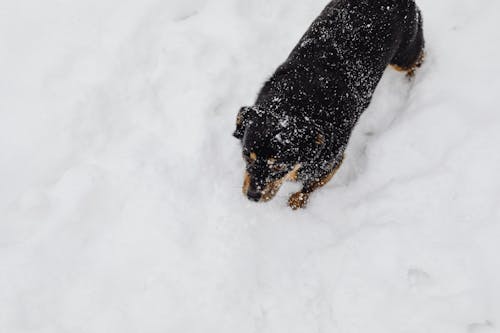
(269, 190)
(249, 189)
(264, 193)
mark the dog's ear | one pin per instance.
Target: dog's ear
(242, 122)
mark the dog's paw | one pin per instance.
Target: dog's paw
(298, 200)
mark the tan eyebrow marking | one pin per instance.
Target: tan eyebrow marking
(271, 161)
(320, 139)
(253, 157)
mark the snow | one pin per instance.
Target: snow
(121, 206)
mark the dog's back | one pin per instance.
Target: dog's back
(334, 69)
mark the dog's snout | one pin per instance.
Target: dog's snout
(254, 195)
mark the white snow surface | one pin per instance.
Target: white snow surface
(121, 206)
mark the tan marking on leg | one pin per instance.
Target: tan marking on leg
(399, 69)
(300, 199)
(293, 175)
(271, 190)
(273, 187)
(410, 71)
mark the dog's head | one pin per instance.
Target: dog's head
(274, 149)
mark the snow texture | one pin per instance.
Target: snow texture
(121, 206)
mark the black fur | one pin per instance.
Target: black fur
(306, 111)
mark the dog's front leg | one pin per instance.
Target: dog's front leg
(300, 199)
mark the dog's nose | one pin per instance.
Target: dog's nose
(253, 195)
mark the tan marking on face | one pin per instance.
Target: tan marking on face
(239, 119)
(253, 157)
(271, 161)
(246, 183)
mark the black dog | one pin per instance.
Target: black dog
(301, 122)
